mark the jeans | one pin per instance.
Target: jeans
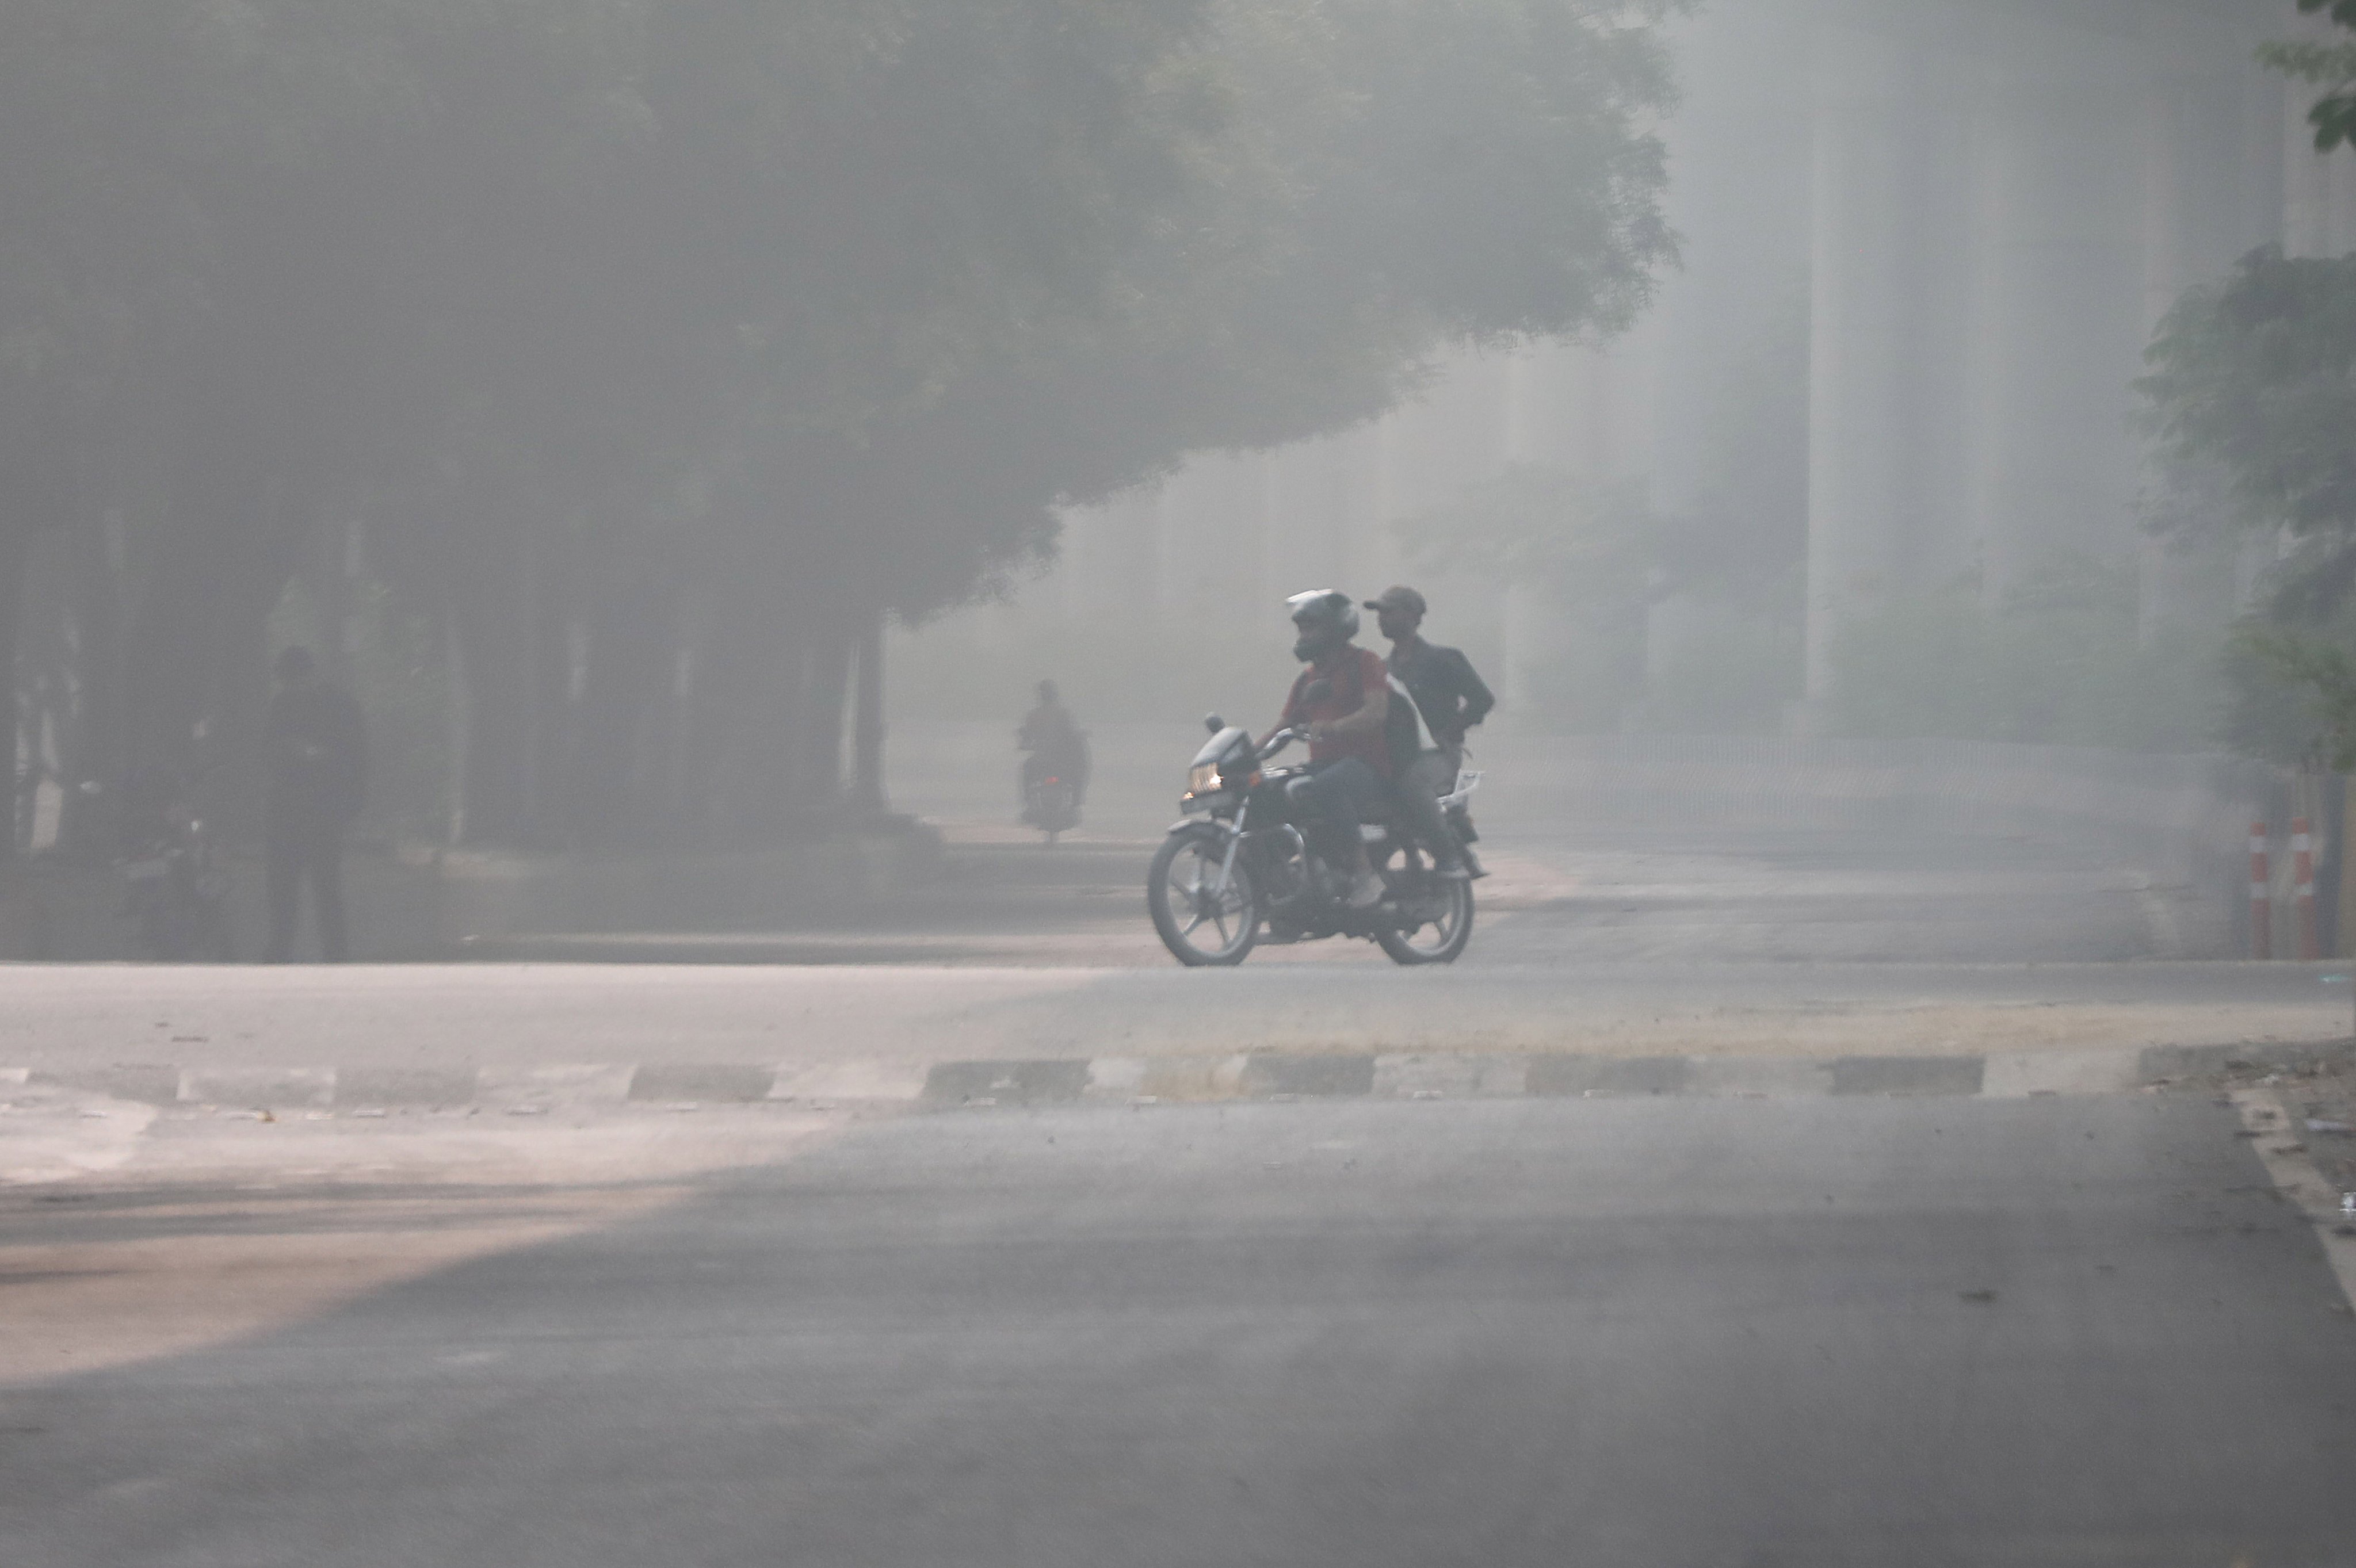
(1427, 778)
(316, 859)
(1330, 800)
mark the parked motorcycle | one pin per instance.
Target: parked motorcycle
(176, 891)
(1237, 872)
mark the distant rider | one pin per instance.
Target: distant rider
(1341, 700)
(1052, 746)
(1453, 699)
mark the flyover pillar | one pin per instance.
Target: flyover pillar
(1861, 253)
(2065, 226)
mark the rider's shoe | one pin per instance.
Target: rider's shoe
(1455, 871)
(1366, 890)
(1472, 867)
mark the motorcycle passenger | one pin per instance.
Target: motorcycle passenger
(1341, 700)
(1453, 699)
(1052, 747)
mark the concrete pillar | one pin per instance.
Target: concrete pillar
(2200, 164)
(2064, 231)
(1533, 615)
(1860, 257)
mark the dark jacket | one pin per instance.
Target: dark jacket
(318, 760)
(1451, 697)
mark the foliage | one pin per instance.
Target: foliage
(1582, 556)
(2253, 396)
(1534, 525)
(2295, 696)
(2059, 662)
(2257, 375)
(664, 348)
(2330, 66)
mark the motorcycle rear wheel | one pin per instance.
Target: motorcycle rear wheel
(1438, 941)
(1183, 895)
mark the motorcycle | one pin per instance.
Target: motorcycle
(1051, 788)
(1239, 869)
(1051, 802)
(176, 892)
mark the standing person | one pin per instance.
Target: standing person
(1451, 697)
(318, 776)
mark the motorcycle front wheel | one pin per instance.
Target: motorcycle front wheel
(1206, 913)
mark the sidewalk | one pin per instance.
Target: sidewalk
(507, 1017)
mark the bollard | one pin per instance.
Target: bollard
(2302, 850)
(2262, 907)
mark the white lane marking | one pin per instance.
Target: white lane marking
(2281, 1147)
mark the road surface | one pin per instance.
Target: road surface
(1647, 1332)
(494, 1264)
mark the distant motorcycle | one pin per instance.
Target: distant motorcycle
(1054, 777)
(1237, 870)
(176, 892)
(1051, 802)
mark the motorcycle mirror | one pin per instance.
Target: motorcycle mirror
(1214, 723)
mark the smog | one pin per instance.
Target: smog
(1067, 782)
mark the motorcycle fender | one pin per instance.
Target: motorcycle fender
(1197, 825)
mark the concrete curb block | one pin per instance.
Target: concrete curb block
(1201, 1079)
(1168, 1080)
(552, 1087)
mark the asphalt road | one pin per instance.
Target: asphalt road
(1569, 893)
(269, 1323)
(1633, 1333)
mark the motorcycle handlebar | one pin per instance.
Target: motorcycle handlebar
(1277, 742)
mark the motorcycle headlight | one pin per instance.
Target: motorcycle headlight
(1203, 779)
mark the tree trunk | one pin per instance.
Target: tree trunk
(756, 725)
(818, 742)
(15, 912)
(496, 615)
(867, 739)
(201, 653)
(15, 552)
(96, 754)
(630, 652)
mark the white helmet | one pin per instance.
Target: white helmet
(1327, 618)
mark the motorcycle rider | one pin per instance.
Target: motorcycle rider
(1341, 700)
(1451, 698)
(1052, 747)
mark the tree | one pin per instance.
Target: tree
(2255, 377)
(665, 346)
(1589, 559)
(2330, 66)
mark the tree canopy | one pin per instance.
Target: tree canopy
(658, 348)
(2251, 396)
(2329, 65)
